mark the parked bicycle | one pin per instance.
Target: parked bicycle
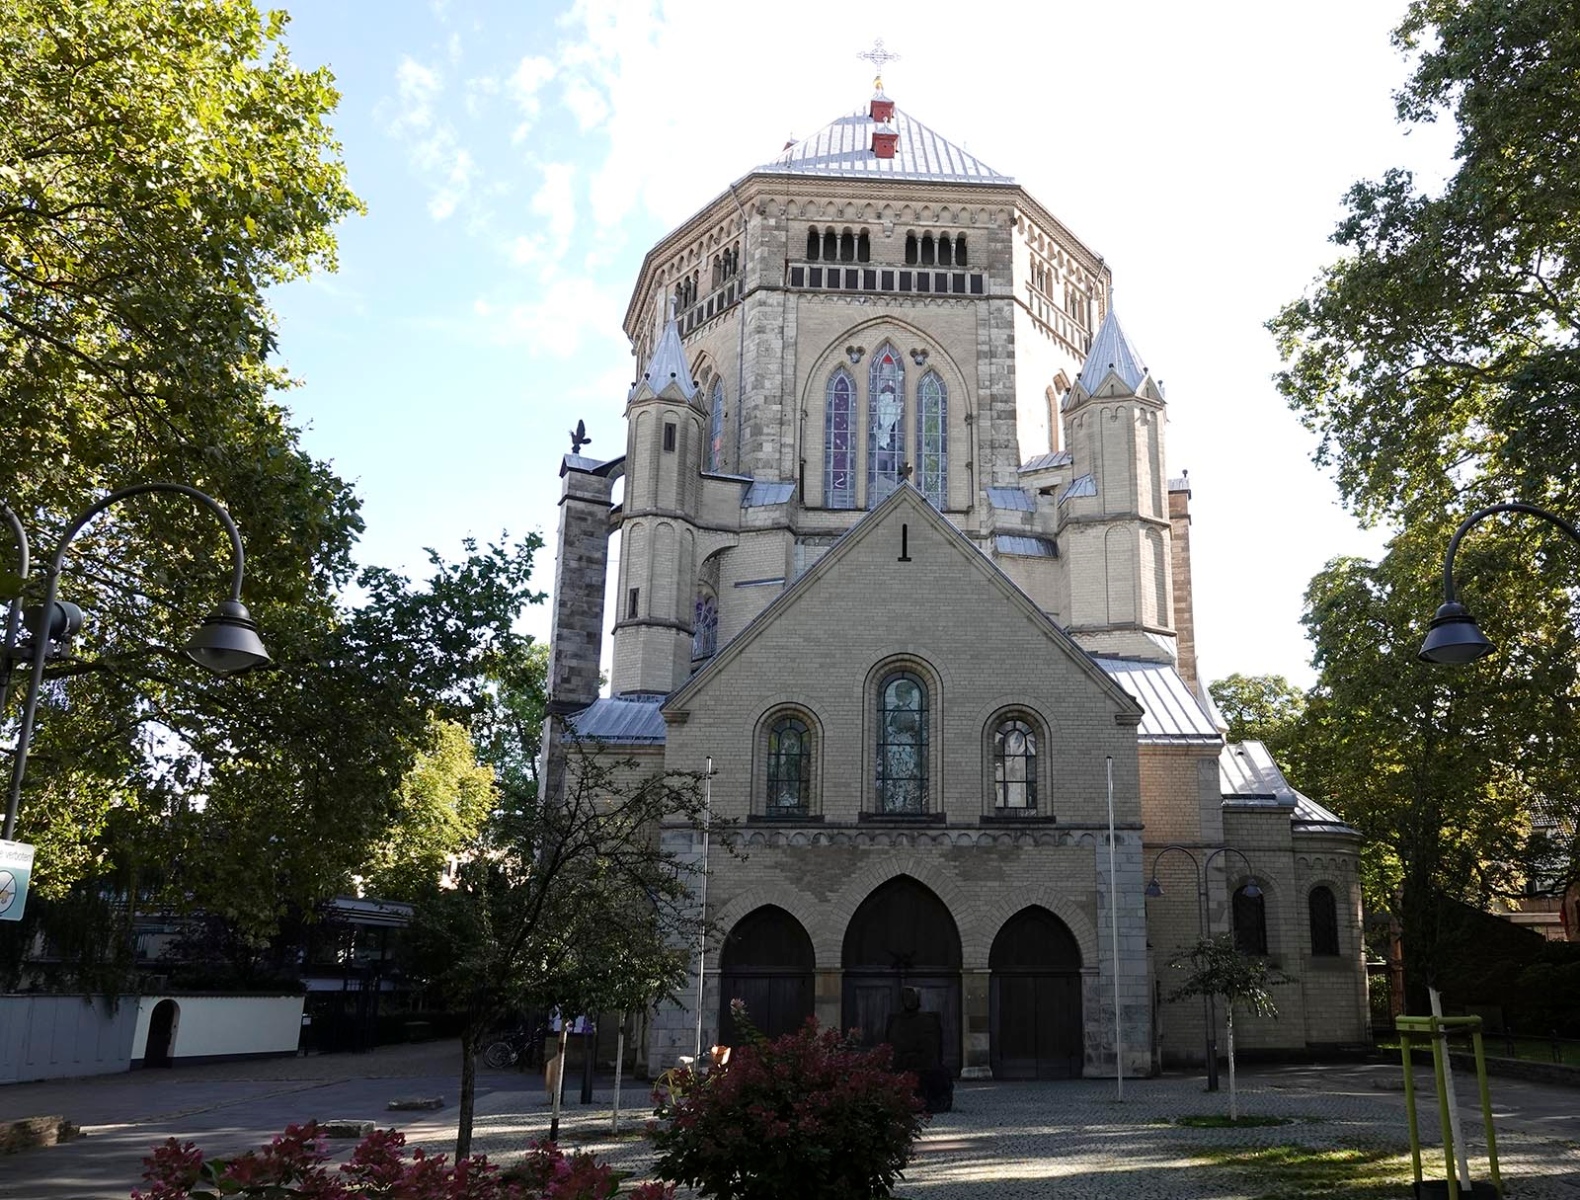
(524, 1046)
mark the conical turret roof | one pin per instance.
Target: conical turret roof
(668, 364)
(1111, 351)
(844, 147)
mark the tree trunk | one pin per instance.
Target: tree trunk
(463, 1131)
(1234, 1100)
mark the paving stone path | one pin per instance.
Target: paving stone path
(1004, 1140)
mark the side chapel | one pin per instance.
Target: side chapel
(900, 554)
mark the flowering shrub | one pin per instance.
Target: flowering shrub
(294, 1165)
(806, 1114)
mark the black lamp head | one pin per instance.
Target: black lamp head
(1454, 638)
(1154, 888)
(227, 641)
(1251, 890)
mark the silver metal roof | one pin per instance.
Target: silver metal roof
(621, 722)
(1026, 547)
(1084, 486)
(1179, 483)
(1011, 498)
(1246, 769)
(580, 462)
(1311, 817)
(668, 364)
(767, 491)
(1111, 351)
(844, 147)
(1172, 712)
(1044, 462)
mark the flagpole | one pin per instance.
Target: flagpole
(1113, 921)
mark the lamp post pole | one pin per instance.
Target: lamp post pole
(227, 641)
(1202, 867)
(1454, 638)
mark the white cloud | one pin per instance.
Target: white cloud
(432, 146)
(560, 320)
(523, 86)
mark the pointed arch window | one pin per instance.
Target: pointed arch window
(789, 767)
(716, 428)
(885, 424)
(1324, 921)
(705, 626)
(932, 439)
(1250, 922)
(1015, 765)
(839, 442)
(902, 744)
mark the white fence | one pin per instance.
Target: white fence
(47, 1037)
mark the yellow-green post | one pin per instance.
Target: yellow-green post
(1405, 1047)
(1442, 1110)
(1486, 1109)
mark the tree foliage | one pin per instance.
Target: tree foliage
(162, 164)
(567, 901)
(1261, 708)
(1439, 358)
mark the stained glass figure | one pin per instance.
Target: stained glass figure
(705, 626)
(839, 442)
(1015, 765)
(902, 744)
(932, 439)
(789, 766)
(886, 421)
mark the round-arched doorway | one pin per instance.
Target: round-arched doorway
(902, 936)
(1035, 999)
(766, 963)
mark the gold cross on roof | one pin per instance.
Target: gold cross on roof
(878, 56)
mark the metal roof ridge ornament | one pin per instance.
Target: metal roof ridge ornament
(878, 57)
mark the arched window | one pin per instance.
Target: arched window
(830, 245)
(1250, 922)
(1324, 921)
(932, 439)
(910, 249)
(839, 442)
(902, 744)
(812, 243)
(847, 247)
(960, 250)
(863, 247)
(1015, 765)
(885, 424)
(927, 249)
(946, 255)
(705, 626)
(789, 767)
(716, 428)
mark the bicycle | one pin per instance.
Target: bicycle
(511, 1049)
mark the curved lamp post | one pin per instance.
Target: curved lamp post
(1154, 889)
(1454, 637)
(226, 642)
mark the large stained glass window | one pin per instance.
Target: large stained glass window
(1015, 765)
(932, 439)
(789, 767)
(902, 744)
(839, 442)
(716, 429)
(886, 424)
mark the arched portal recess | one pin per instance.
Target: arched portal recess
(1035, 998)
(902, 936)
(766, 963)
(160, 1049)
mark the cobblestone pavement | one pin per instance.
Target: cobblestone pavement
(1074, 1139)
(1004, 1140)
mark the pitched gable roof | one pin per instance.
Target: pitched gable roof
(907, 500)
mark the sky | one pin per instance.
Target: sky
(517, 159)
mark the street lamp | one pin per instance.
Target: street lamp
(1454, 638)
(226, 642)
(1154, 889)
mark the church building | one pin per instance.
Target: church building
(901, 557)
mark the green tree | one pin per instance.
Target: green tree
(1261, 708)
(1438, 358)
(568, 902)
(1216, 968)
(1451, 775)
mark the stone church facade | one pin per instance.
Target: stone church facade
(900, 556)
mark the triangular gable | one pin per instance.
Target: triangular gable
(908, 501)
